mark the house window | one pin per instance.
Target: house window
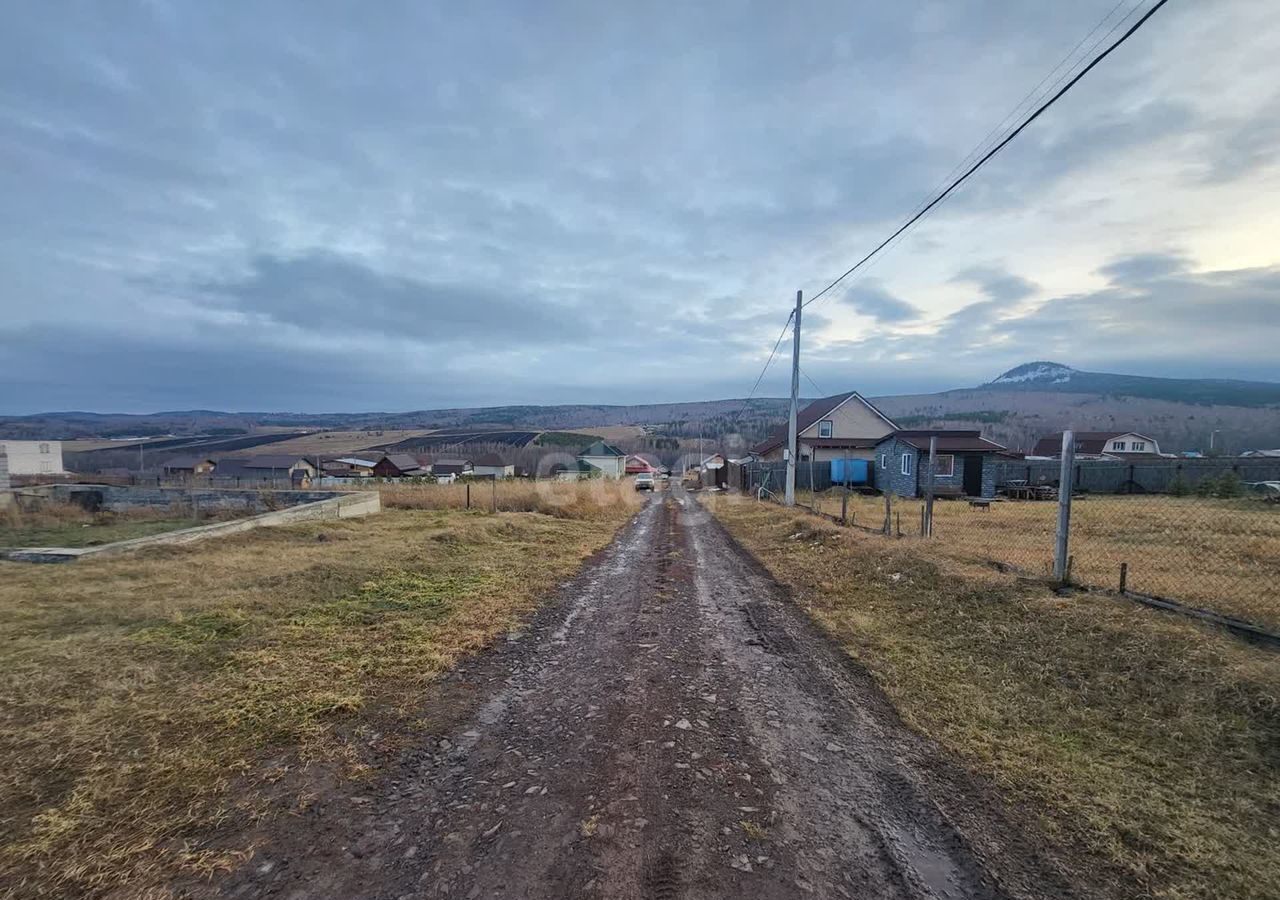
(946, 466)
(884, 460)
(46, 467)
(1117, 445)
(824, 428)
(44, 448)
(906, 464)
(1139, 446)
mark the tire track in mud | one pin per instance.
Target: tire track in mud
(672, 728)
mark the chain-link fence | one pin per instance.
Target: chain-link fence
(1199, 535)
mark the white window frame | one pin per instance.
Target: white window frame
(906, 464)
(884, 461)
(826, 428)
(44, 448)
(1139, 446)
(1118, 446)
(947, 471)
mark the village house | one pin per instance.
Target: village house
(33, 457)
(966, 464)
(1102, 445)
(491, 465)
(838, 427)
(268, 467)
(606, 458)
(637, 464)
(398, 465)
(450, 470)
(348, 466)
(578, 470)
(188, 466)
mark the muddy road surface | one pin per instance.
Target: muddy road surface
(672, 727)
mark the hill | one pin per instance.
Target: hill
(1056, 378)
(1014, 408)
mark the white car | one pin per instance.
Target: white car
(644, 481)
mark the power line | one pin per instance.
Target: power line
(767, 363)
(821, 392)
(999, 128)
(993, 151)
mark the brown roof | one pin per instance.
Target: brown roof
(404, 462)
(814, 412)
(949, 441)
(843, 443)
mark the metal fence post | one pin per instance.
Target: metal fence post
(844, 498)
(1061, 565)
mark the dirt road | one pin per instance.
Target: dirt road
(672, 727)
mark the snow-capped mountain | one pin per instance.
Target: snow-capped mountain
(1043, 375)
(1037, 373)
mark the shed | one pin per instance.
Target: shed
(966, 463)
(189, 465)
(398, 465)
(491, 465)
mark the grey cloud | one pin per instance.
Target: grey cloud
(322, 291)
(1141, 267)
(997, 284)
(871, 299)
(614, 188)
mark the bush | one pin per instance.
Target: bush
(1179, 487)
(1229, 486)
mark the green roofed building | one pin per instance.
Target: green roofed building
(611, 461)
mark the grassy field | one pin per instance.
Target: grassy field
(340, 443)
(1222, 555)
(151, 703)
(71, 526)
(1143, 738)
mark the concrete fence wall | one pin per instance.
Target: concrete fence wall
(311, 506)
(1148, 476)
(117, 498)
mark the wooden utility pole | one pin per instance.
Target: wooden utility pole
(790, 496)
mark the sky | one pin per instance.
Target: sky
(323, 206)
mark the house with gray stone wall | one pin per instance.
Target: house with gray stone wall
(966, 464)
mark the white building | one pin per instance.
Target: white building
(33, 457)
(491, 465)
(608, 459)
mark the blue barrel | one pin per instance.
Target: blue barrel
(850, 471)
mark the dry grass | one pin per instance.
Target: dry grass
(338, 443)
(68, 525)
(1144, 738)
(1223, 555)
(561, 499)
(150, 702)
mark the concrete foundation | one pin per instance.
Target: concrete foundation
(301, 506)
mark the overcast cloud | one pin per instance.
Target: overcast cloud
(319, 206)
